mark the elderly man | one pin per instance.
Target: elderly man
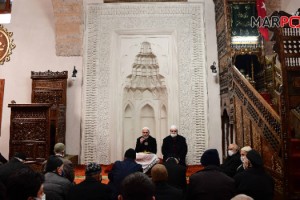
(254, 181)
(68, 171)
(91, 188)
(233, 160)
(243, 153)
(146, 143)
(175, 146)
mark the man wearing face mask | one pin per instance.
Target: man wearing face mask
(254, 181)
(233, 160)
(55, 186)
(243, 153)
(25, 184)
(175, 146)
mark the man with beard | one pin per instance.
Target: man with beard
(175, 146)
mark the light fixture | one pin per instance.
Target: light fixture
(214, 69)
(74, 73)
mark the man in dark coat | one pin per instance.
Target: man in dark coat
(146, 143)
(175, 146)
(176, 174)
(254, 181)
(137, 186)
(25, 184)
(210, 183)
(121, 169)
(233, 160)
(13, 165)
(59, 151)
(56, 187)
(91, 188)
(2, 160)
(164, 191)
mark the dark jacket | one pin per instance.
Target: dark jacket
(68, 169)
(174, 147)
(239, 169)
(7, 169)
(210, 184)
(56, 187)
(231, 163)
(148, 145)
(176, 175)
(119, 171)
(2, 160)
(163, 191)
(256, 183)
(89, 189)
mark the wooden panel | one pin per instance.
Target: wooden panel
(30, 131)
(2, 81)
(5, 6)
(51, 87)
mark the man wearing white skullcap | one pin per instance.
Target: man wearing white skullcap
(175, 146)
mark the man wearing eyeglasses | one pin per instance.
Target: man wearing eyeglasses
(146, 143)
(175, 146)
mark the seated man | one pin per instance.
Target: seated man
(211, 182)
(163, 190)
(25, 184)
(121, 169)
(137, 186)
(146, 149)
(68, 169)
(2, 160)
(59, 150)
(233, 160)
(146, 143)
(176, 173)
(91, 188)
(55, 186)
(254, 181)
(243, 153)
(16, 163)
(175, 146)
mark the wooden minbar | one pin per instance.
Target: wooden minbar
(30, 131)
(51, 87)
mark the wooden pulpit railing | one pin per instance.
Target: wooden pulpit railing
(258, 125)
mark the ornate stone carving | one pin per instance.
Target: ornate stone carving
(184, 22)
(145, 98)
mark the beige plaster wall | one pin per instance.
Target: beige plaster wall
(32, 25)
(290, 6)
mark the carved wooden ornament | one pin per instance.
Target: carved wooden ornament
(6, 44)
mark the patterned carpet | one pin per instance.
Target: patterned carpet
(80, 170)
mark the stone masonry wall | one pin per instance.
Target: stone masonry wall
(68, 16)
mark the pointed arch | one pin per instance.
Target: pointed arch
(128, 127)
(227, 132)
(147, 117)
